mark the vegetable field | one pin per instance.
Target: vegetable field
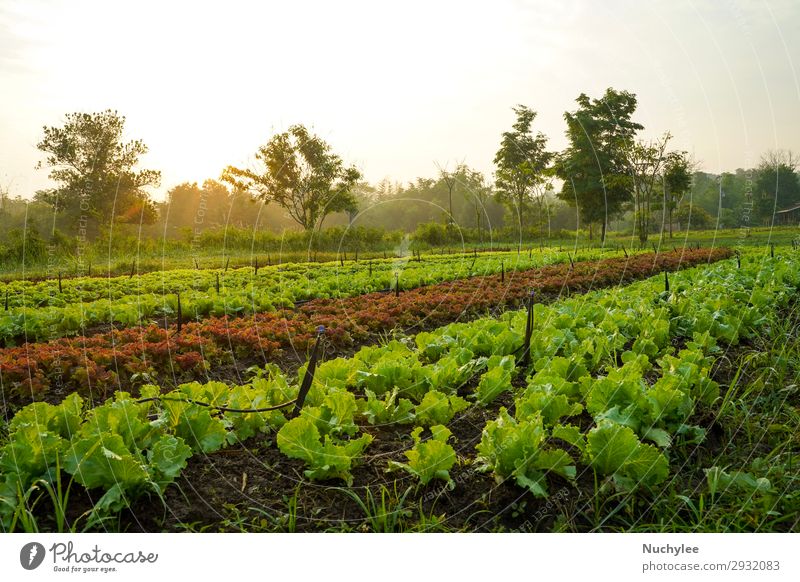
(602, 391)
(53, 308)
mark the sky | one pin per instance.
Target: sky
(397, 89)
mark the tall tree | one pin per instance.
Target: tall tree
(95, 170)
(472, 186)
(594, 168)
(776, 184)
(478, 192)
(301, 174)
(677, 181)
(647, 160)
(450, 179)
(523, 166)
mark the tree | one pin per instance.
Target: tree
(395, 206)
(95, 170)
(450, 180)
(523, 165)
(776, 184)
(594, 167)
(480, 192)
(693, 216)
(677, 181)
(646, 165)
(199, 207)
(472, 185)
(302, 175)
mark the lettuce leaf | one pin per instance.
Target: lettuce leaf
(496, 380)
(614, 450)
(438, 408)
(512, 448)
(429, 459)
(329, 459)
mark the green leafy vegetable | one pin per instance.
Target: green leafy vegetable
(614, 450)
(516, 449)
(430, 459)
(329, 459)
(438, 408)
(388, 410)
(496, 380)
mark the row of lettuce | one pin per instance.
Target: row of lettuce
(43, 310)
(120, 359)
(607, 392)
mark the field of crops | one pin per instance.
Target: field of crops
(45, 310)
(490, 392)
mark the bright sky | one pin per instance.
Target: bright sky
(395, 88)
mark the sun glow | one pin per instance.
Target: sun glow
(394, 89)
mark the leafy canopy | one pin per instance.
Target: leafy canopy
(95, 171)
(594, 166)
(522, 164)
(301, 174)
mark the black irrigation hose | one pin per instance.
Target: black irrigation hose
(220, 408)
(298, 402)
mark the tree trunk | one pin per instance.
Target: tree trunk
(590, 231)
(642, 222)
(603, 233)
(450, 195)
(478, 221)
(670, 221)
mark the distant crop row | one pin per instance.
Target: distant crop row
(98, 364)
(46, 310)
(605, 391)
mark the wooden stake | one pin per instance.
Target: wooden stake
(308, 378)
(526, 346)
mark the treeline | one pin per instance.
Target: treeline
(608, 176)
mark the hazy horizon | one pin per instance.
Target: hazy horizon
(395, 90)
